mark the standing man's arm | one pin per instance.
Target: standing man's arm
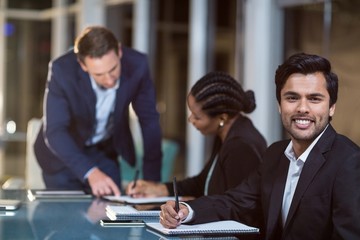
(145, 108)
(58, 113)
(57, 121)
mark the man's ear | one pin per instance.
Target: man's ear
(120, 51)
(279, 108)
(332, 110)
(82, 65)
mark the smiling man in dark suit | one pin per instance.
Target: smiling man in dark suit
(86, 115)
(308, 186)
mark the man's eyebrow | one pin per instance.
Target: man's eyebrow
(112, 69)
(290, 93)
(316, 95)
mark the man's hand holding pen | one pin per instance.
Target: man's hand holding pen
(140, 188)
(145, 189)
(169, 218)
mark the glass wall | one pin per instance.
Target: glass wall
(332, 31)
(27, 54)
(28, 51)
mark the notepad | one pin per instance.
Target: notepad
(115, 212)
(226, 227)
(56, 194)
(131, 200)
(191, 237)
(9, 204)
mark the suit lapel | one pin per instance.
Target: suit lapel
(87, 93)
(312, 165)
(122, 92)
(277, 193)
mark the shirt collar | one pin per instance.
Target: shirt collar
(97, 87)
(289, 151)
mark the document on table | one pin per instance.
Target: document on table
(9, 204)
(116, 212)
(56, 194)
(131, 200)
(225, 227)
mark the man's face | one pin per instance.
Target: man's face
(105, 70)
(304, 107)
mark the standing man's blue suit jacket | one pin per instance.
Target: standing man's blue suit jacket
(69, 116)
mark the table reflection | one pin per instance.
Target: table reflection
(79, 220)
(62, 219)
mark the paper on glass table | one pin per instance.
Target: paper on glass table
(131, 200)
(115, 212)
(224, 228)
(34, 194)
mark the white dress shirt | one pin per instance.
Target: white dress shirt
(105, 104)
(291, 181)
(295, 167)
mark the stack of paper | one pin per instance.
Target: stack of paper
(56, 194)
(116, 212)
(131, 200)
(218, 228)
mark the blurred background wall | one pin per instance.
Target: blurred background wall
(184, 40)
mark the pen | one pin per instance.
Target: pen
(136, 177)
(177, 208)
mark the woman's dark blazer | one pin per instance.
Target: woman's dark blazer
(240, 154)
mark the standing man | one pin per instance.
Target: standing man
(86, 115)
(308, 187)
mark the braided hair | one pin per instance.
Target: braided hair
(219, 93)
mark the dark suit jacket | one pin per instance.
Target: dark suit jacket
(326, 203)
(239, 155)
(69, 116)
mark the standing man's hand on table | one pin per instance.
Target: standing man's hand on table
(101, 184)
(169, 218)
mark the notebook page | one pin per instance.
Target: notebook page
(115, 212)
(131, 200)
(213, 228)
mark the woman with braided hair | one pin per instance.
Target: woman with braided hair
(217, 103)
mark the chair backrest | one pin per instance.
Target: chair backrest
(33, 172)
(170, 150)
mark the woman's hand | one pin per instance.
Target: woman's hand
(169, 218)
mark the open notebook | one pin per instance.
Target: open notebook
(131, 200)
(224, 228)
(116, 212)
(34, 194)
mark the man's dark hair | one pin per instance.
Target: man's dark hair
(307, 64)
(95, 42)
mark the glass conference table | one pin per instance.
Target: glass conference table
(61, 219)
(68, 218)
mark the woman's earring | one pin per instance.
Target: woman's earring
(221, 124)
